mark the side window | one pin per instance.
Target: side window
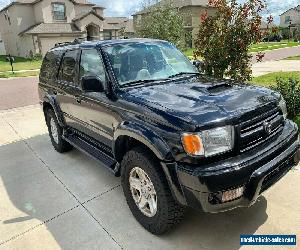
(91, 64)
(50, 65)
(68, 67)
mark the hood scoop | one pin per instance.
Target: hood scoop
(213, 88)
(217, 88)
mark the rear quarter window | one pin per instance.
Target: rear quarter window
(50, 65)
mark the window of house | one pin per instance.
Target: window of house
(91, 64)
(68, 72)
(59, 11)
(287, 19)
(7, 17)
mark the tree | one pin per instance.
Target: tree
(224, 39)
(162, 21)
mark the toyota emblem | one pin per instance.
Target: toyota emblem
(268, 127)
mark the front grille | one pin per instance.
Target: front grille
(260, 129)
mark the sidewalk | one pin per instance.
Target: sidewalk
(263, 68)
(21, 71)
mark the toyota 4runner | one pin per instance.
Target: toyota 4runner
(176, 137)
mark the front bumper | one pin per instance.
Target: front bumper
(256, 171)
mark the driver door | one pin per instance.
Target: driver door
(95, 110)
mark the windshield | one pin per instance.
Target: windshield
(147, 61)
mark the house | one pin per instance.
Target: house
(2, 48)
(290, 17)
(190, 9)
(118, 27)
(30, 27)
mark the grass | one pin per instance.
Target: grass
(270, 79)
(259, 47)
(20, 63)
(19, 74)
(189, 52)
(292, 58)
(272, 45)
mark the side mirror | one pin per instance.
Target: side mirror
(198, 64)
(92, 84)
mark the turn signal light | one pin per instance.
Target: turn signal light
(192, 144)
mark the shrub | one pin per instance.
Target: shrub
(224, 40)
(290, 91)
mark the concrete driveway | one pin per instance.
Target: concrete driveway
(267, 67)
(69, 201)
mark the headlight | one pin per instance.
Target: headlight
(208, 142)
(282, 105)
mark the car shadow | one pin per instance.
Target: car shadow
(221, 230)
(34, 193)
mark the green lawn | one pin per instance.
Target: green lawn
(292, 58)
(20, 63)
(260, 47)
(19, 74)
(270, 79)
(189, 52)
(272, 45)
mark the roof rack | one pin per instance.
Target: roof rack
(76, 41)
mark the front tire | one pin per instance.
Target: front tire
(147, 192)
(56, 132)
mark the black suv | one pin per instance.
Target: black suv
(176, 137)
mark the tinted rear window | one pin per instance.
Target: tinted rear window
(50, 65)
(68, 67)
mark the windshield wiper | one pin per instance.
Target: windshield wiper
(184, 73)
(139, 82)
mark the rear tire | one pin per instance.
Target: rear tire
(56, 132)
(138, 165)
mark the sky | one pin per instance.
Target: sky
(128, 7)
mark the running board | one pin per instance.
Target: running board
(93, 151)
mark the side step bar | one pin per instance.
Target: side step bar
(93, 151)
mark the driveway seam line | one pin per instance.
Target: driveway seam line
(78, 201)
(99, 195)
(38, 225)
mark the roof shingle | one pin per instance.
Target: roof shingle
(52, 28)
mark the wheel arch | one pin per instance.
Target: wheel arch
(130, 135)
(50, 102)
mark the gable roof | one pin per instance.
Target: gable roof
(176, 4)
(114, 23)
(51, 28)
(297, 8)
(32, 2)
(83, 15)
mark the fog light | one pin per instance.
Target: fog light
(232, 194)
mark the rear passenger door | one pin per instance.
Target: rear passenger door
(70, 87)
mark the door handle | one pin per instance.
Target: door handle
(78, 99)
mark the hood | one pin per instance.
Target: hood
(202, 102)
